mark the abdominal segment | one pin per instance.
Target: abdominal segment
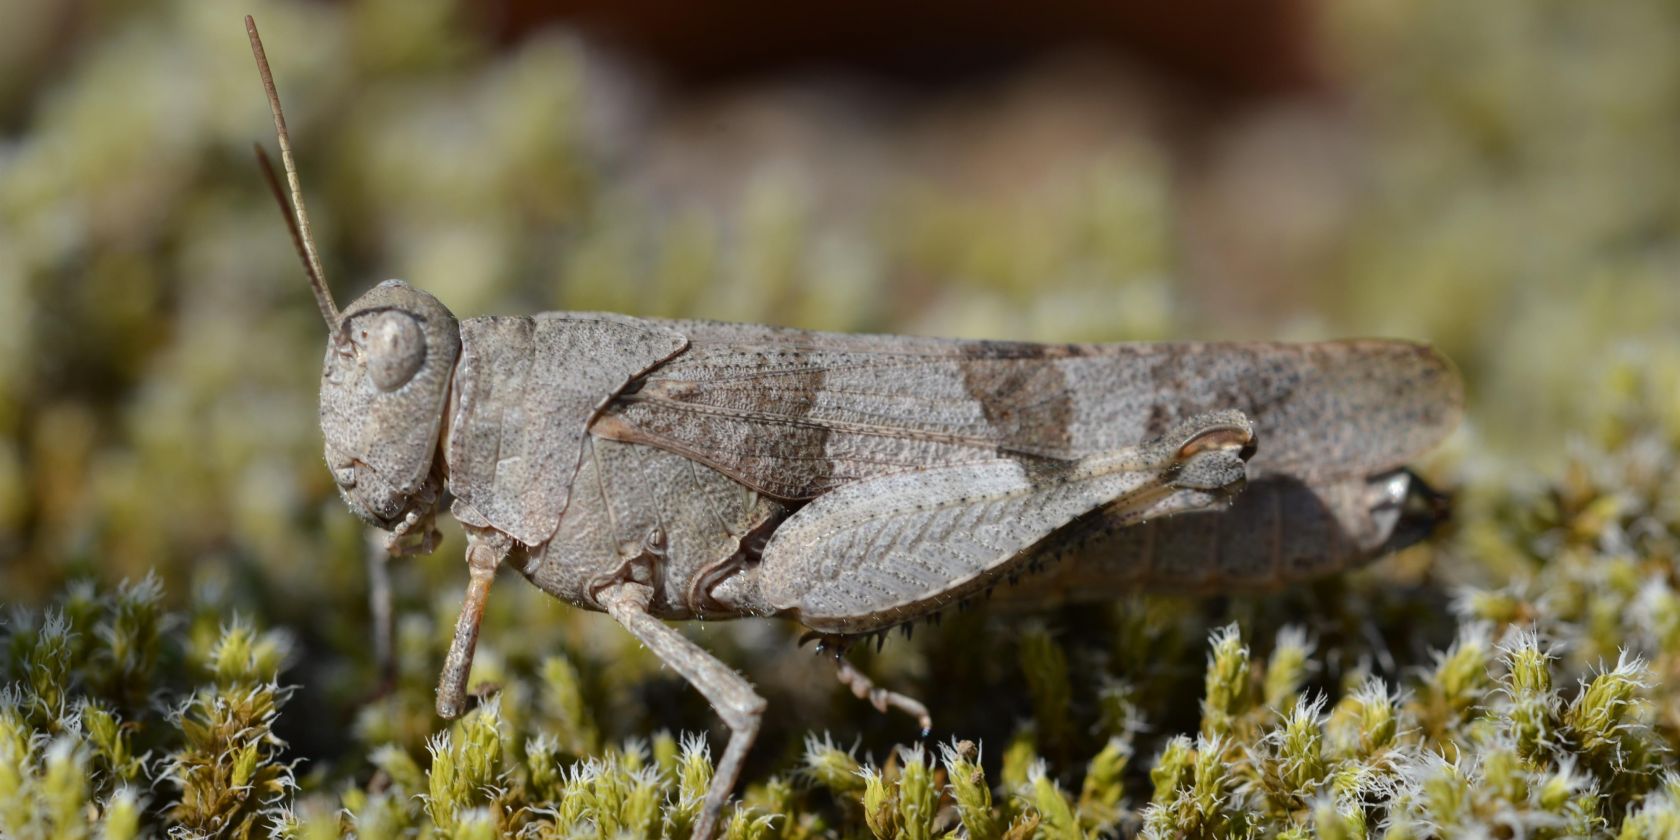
(1278, 531)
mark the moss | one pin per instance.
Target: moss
(1506, 750)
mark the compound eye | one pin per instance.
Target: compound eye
(395, 348)
(1218, 439)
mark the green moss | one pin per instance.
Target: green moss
(1519, 753)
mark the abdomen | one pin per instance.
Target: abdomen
(1277, 531)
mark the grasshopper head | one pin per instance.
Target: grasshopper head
(390, 357)
(384, 386)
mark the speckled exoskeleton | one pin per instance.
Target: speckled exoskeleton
(658, 469)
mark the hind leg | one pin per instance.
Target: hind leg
(728, 692)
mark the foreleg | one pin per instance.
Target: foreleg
(485, 552)
(380, 610)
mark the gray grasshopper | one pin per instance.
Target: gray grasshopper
(676, 470)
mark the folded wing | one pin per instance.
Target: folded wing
(795, 414)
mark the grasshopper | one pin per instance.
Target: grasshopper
(668, 470)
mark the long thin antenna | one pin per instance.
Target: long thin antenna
(299, 226)
(279, 193)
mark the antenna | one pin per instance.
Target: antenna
(297, 218)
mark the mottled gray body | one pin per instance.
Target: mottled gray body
(674, 469)
(711, 435)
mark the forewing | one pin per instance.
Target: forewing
(877, 552)
(796, 414)
(525, 392)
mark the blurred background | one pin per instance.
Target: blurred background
(1497, 178)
